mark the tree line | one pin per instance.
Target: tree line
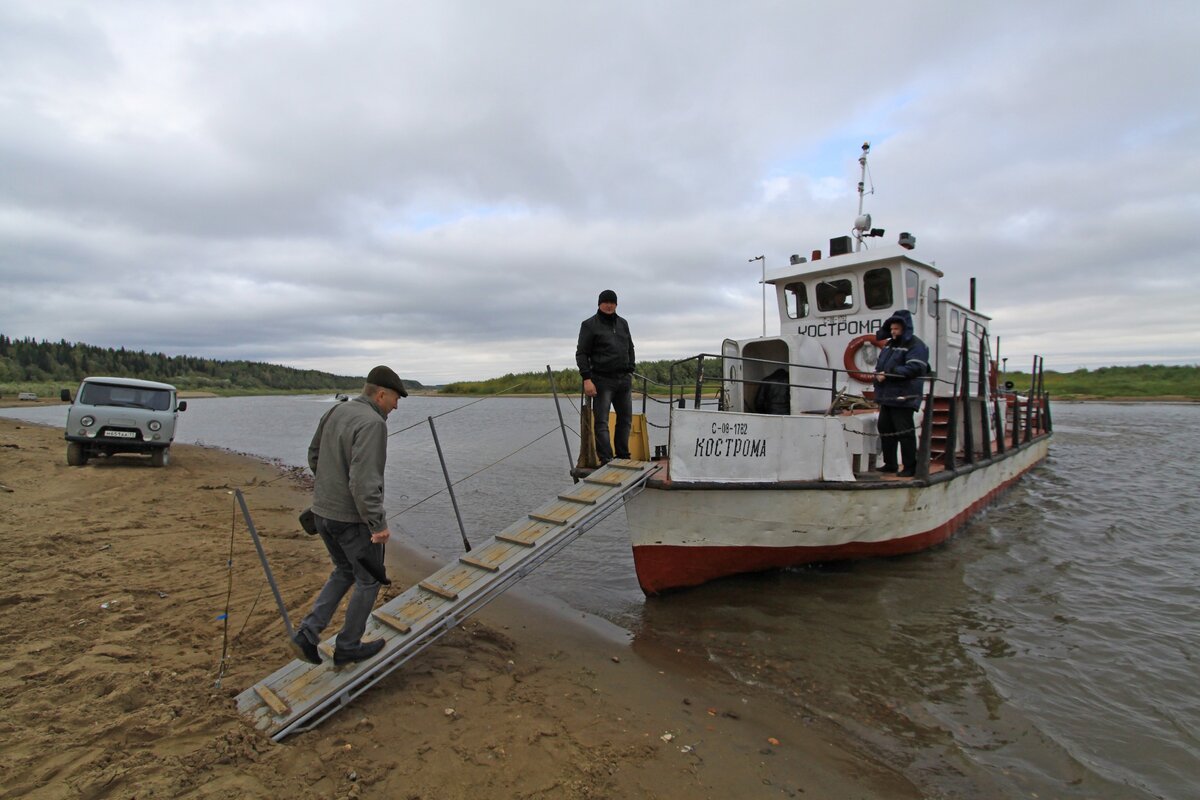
(658, 375)
(28, 361)
(1142, 381)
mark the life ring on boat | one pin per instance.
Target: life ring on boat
(852, 369)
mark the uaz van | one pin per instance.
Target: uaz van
(121, 415)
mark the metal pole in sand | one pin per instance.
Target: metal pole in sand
(287, 622)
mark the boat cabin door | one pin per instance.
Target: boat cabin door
(731, 376)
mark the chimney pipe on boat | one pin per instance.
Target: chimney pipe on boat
(816, 255)
(798, 259)
(972, 294)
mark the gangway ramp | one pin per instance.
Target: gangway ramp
(301, 695)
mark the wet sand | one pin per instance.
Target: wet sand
(114, 581)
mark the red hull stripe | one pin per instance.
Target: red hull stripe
(663, 567)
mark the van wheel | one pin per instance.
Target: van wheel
(76, 455)
(160, 458)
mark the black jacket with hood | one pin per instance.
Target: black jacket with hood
(906, 361)
(605, 347)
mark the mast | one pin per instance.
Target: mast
(859, 224)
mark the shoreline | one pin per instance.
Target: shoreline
(112, 692)
(12, 402)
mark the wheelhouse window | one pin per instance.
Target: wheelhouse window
(931, 299)
(877, 288)
(912, 289)
(836, 295)
(796, 297)
(955, 321)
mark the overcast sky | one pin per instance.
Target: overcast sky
(446, 187)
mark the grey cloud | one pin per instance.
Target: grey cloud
(454, 183)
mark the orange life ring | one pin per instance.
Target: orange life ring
(852, 350)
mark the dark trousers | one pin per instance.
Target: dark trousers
(896, 427)
(346, 542)
(618, 393)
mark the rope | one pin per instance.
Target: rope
(292, 470)
(228, 597)
(476, 472)
(249, 613)
(459, 408)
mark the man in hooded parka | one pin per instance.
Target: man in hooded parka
(902, 363)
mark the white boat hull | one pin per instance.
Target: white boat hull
(685, 535)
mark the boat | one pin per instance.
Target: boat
(741, 491)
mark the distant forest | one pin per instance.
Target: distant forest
(567, 381)
(52, 365)
(46, 367)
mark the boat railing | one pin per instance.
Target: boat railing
(836, 387)
(966, 408)
(1030, 417)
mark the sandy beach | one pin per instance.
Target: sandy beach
(115, 587)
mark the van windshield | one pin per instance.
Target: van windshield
(104, 394)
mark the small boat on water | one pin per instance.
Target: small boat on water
(744, 491)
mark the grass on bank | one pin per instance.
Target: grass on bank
(1110, 383)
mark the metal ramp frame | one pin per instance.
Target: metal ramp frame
(301, 696)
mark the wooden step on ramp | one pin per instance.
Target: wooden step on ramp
(300, 696)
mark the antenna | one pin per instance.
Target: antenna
(763, 259)
(862, 224)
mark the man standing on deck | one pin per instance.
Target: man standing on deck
(899, 389)
(604, 356)
(347, 455)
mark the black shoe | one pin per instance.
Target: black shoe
(908, 473)
(364, 651)
(889, 468)
(305, 650)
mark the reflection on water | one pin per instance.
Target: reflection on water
(1049, 648)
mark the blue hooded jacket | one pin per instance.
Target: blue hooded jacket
(905, 360)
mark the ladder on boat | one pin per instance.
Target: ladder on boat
(301, 695)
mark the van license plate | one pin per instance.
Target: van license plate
(122, 434)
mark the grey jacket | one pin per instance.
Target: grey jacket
(347, 456)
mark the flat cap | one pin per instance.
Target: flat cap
(388, 379)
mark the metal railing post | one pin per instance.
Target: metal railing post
(925, 449)
(984, 427)
(449, 485)
(563, 425)
(968, 421)
(1029, 400)
(1041, 395)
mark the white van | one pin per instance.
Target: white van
(121, 415)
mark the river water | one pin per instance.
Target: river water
(1049, 649)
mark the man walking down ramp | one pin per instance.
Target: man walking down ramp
(347, 455)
